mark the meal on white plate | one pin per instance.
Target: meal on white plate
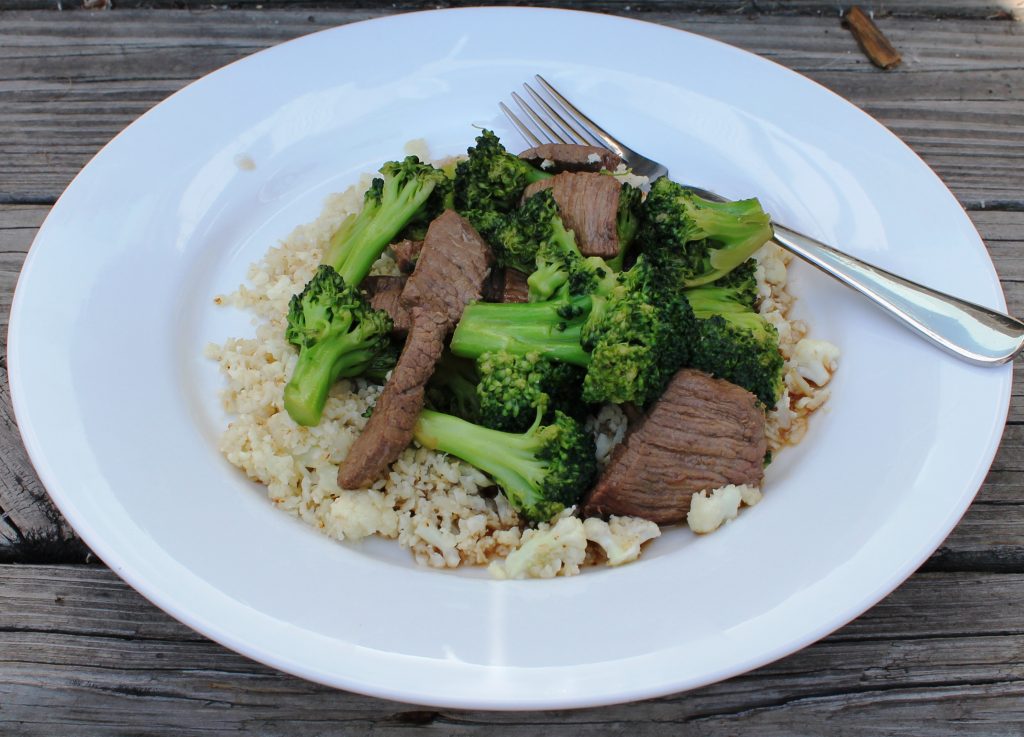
(530, 362)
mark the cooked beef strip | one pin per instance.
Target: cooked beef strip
(406, 252)
(506, 285)
(570, 157)
(514, 286)
(589, 204)
(703, 433)
(450, 272)
(494, 286)
(384, 293)
(390, 427)
(451, 269)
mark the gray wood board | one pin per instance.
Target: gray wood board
(80, 651)
(973, 9)
(71, 81)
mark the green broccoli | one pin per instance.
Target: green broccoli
(410, 192)
(733, 341)
(541, 471)
(712, 238)
(741, 283)
(491, 179)
(513, 388)
(627, 222)
(338, 335)
(629, 330)
(515, 236)
(453, 387)
(382, 363)
(550, 328)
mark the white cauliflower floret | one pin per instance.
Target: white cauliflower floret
(708, 513)
(621, 537)
(815, 360)
(548, 551)
(772, 261)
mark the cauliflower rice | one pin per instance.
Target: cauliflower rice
(431, 503)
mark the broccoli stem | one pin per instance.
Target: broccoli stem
(515, 467)
(549, 328)
(359, 241)
(318, 367)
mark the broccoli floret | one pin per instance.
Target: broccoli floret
(742, 283)
(627, 222)
(405, 194)
(491, 179)
(541, 471)
(383, 362)
(513, 389)
(712, 238)
(629, 330)
(453, 387)
(515, 236)
(638, 336)
(338, 335)
(733, 342)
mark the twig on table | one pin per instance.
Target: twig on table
(873, 42)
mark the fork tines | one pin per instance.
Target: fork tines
(555, 119)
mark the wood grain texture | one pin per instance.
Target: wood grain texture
(943, 655)
(932, 9)
(73, 80)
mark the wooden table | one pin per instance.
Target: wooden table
(83, 654)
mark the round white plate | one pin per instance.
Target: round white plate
(119, 410)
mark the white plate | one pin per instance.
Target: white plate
(119, 413)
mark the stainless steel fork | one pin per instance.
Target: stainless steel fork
(969, 331)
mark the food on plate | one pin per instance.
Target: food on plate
(450, 272)
(556, 157)
(529, 362)
(600, 210)
(700, 434)
(338, 334)
(541, 471)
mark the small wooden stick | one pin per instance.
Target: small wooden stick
(875, 45)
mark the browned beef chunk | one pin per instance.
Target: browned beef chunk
(385, 293)
(406, 252)
(506, 285)
(390, 427)
(703, 433)
(514, 286)
(494, 286)
(450, 272)
(569, 157)
(590, 206)
(451, 269)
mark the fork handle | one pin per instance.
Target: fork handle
(974, 333)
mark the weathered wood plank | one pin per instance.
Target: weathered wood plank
(58, 112)
(944, 655)
(963, 9)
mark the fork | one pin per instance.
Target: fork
(969, 331)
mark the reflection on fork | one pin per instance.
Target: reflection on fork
(969, 331)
